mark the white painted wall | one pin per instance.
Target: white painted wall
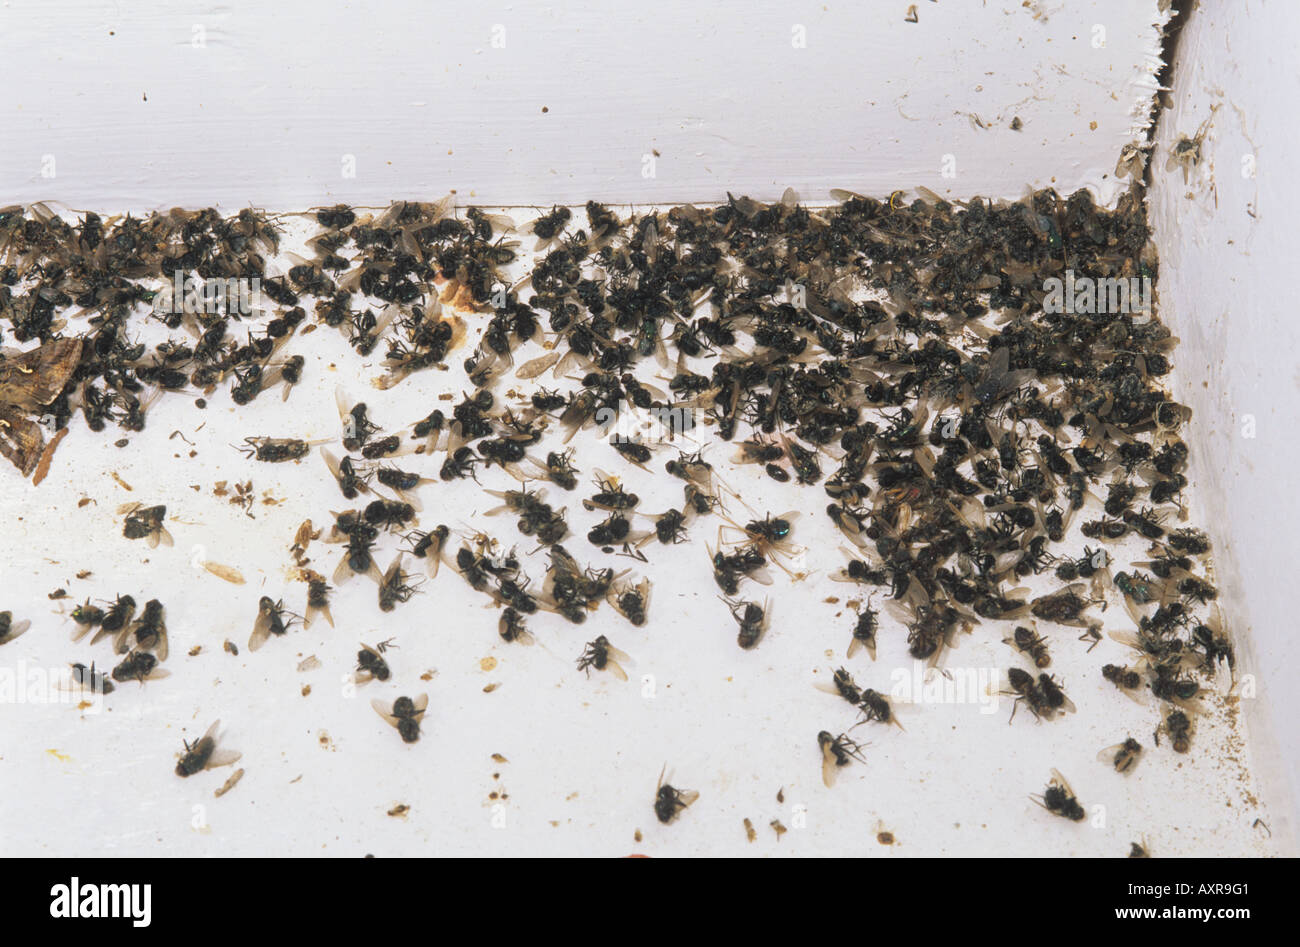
(1227, 250)
(276, 94)
(114, 106)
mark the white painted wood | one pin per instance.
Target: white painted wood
(1227, 245)
(142, 105)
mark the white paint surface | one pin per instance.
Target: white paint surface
(267, 108)
(1227, 245)
(263, 114)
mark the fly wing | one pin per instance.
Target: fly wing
(384, 710)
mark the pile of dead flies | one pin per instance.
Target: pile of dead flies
(895, 354)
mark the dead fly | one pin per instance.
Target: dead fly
(118, 615)
(842, 685)
(371, 665)
(1178, 726)
(610, 496)
(357, 426)
(404, 715)
(383, 447)
(274, 450)
(1026, 691)
(837, 752)
(512, 628)
(559, 469)
(145, 522)
(393, 588)
(271, 619)
(669, 800)
(1059, 799)
(1126, 680)
(86, 616)
(203, 754)
(693, 469)
(752, 619)
(1121, 756)
(318, 599)
(138, 666)
(875, 706)
(1064, 607)
(360, 537)
(632, 451)
(349, 480)
(631, 601)
(87, 678)
(10, 629)
(429, 547)
(459, 464)
(670, 528)
(388, 513)
(147, 633)
(401, 481)
(602, 656)
(1053, 697)
(611, 531)
(771, 533)
(864, 632)
(1030, 643)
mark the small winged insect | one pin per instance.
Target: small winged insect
(10, 629)
(275, 450)
(876, 706)
(138, 666)
(404, 715)
(371, 665)
(118, 615)
(272, 621)
(670, 528)
(1059, 799)
(559, 469)
(511, 626)
(382, 447)
(837, 752)
(429, 546)
(357, 426)
(1126, 680)
(393, 588)
(1064, 607)
(602, 656)
(610, 496)
(1178, 726)
(669, 800)
(842, 685)
(318, 599)
(87, 616)
(350, 481)
(1122, 756)
(1026, 691)
(864, 632)
(87, 678)
(1028, 642)
(633, 451)
(146, 522)
(388, 513)
(631, 601)
(204, 753)
(1053, 697)
(752, 619)
(148, 632)
(401, 481)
